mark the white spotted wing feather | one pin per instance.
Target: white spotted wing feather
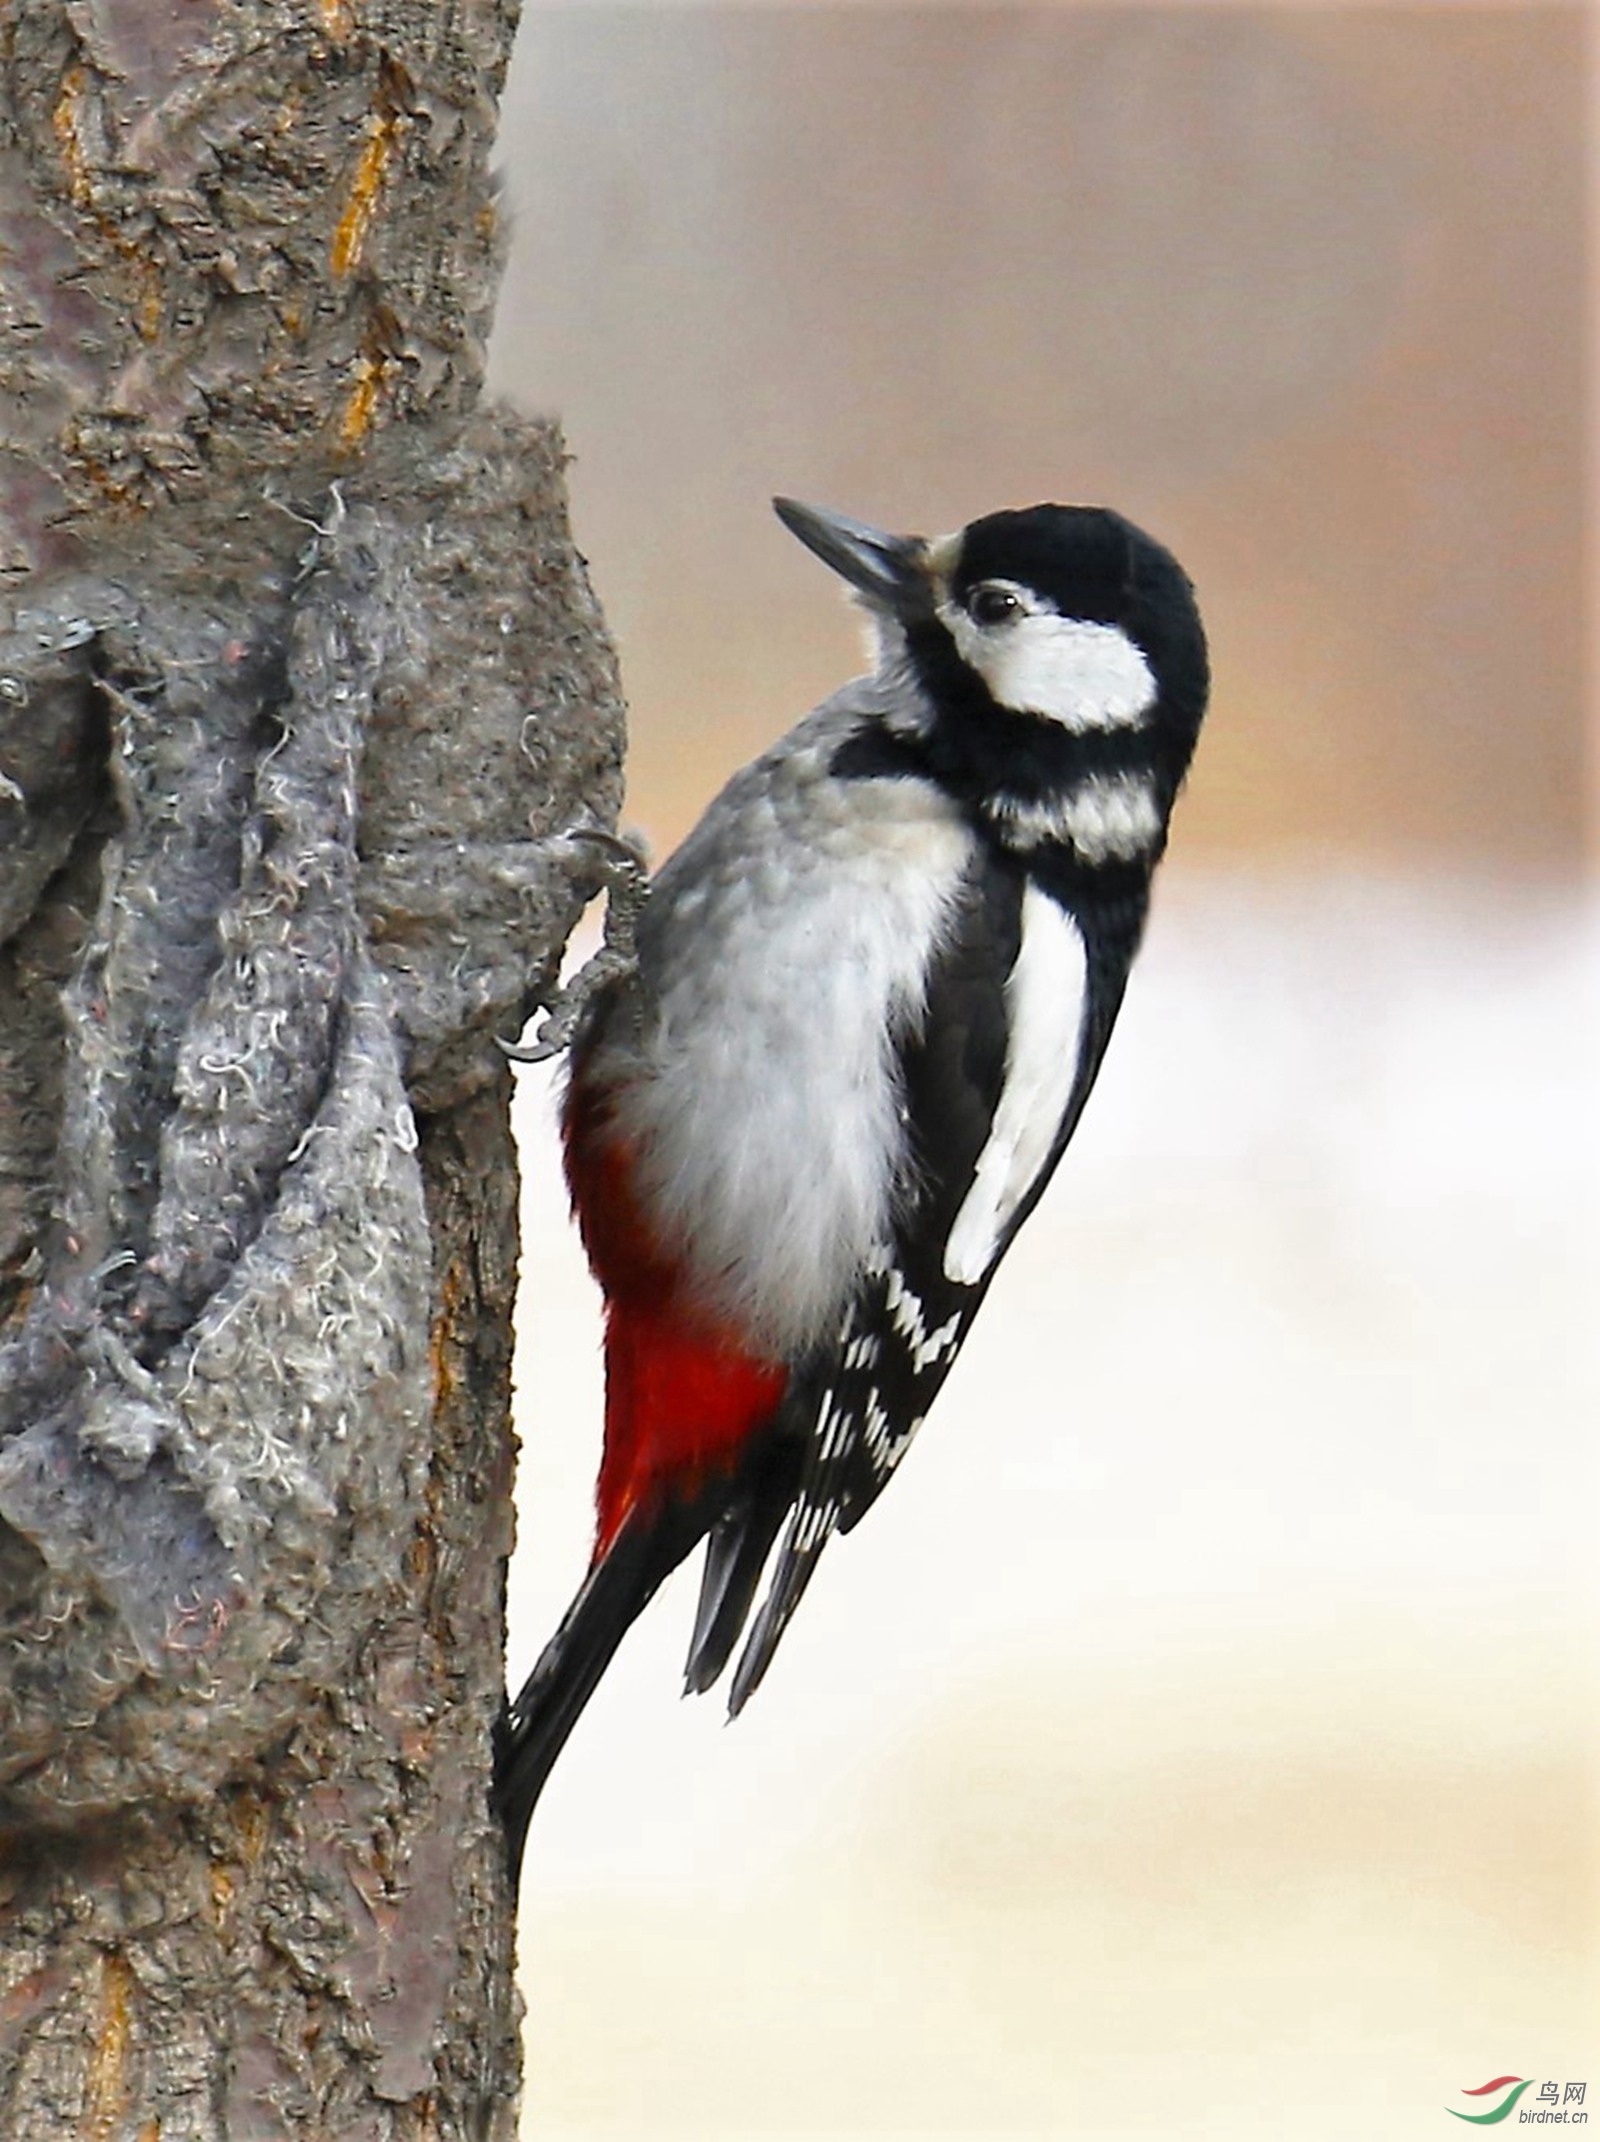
(921, 1287)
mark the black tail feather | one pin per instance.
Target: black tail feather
(534, 1729)
(743, 1517)
(736, 1554)
(809, 1533)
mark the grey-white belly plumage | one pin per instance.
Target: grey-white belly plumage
(757, 1085)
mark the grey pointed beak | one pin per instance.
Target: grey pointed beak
(887, 569)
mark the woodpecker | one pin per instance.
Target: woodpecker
(870, 995)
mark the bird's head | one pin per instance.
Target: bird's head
(1067, 615)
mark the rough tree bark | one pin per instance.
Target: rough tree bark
(301, 685)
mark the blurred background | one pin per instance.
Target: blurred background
(1200, 1739)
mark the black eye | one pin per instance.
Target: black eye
(991, 604)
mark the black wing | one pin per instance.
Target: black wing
(855, 1411)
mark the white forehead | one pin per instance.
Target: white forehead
(1064, 669)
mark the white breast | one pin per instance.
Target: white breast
(760, 1092)
(1046, 994)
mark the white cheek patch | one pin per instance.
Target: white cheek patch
(1083, 676)
(1046, 994)
(1108, 818)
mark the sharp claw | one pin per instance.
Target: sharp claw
(531, 1052)
(624, 848)
(625, 882)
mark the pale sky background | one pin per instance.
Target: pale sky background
(1198, 1741)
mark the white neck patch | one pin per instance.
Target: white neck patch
(1107, 818)
(1083, 676)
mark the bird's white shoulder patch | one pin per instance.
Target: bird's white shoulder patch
(1063, 669)
(1046, 996)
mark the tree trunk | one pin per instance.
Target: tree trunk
(301, 688)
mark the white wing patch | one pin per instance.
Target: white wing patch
(1046, 994)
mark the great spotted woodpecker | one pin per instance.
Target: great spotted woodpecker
(872, 991)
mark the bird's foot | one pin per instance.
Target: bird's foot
(617, 863)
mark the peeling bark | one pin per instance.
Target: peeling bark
(302, 689)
